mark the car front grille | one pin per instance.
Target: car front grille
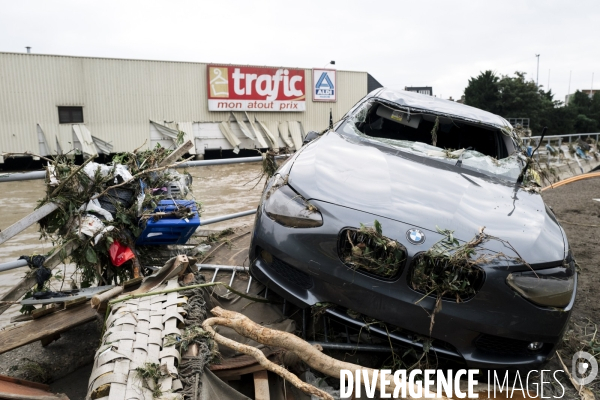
(504, 346)
(361, 253)
(423, 267)
(287, 272)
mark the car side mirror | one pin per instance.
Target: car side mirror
(310, 136)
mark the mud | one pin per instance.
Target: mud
(579, 215)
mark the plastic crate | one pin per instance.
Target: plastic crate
(170, 230)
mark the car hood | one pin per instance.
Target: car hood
(426, 194)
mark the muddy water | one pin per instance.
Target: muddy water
(222, 190)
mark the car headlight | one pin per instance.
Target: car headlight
(286, 207)
(552, 287)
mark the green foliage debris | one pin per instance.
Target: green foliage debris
(72, 188)
(368, 250)
(151, 373)
(451, 269)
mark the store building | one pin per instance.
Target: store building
(53, 104)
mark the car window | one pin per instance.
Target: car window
(479, 148)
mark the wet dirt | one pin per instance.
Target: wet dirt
(579, 214)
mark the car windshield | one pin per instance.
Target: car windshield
(480, 148)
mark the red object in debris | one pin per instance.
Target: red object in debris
(120, 253)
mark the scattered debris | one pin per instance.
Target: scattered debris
(103, 206)
(319, 309)
(366, 249)
(36, 371)
(151, 373)
(217, 236)
(452, 270)
(304, 350)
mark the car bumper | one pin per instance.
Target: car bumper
(487, 331)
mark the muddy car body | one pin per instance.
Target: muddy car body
(379, 163)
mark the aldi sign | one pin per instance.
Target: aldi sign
(237, 88)
(324, 85)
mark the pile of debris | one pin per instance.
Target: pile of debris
(105, 211)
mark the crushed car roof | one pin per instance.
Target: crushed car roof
(436, 105)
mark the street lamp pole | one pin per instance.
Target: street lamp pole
(537, 78)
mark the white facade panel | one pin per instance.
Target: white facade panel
(120, 97)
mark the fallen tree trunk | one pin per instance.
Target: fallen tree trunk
(271, 337)
(260, 357)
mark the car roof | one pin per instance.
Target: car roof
(439, 106)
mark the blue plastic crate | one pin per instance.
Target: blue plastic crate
(170, 230)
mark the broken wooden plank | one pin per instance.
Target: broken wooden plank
(75, 302)
(261, 385)
(20, 389)
(24, 382)
(49, 339)
(48, 396)
(21, 318)
(235, 374)
(17, 291)
(37, 329)
(176, 154)
(40, 312)
(27, 221)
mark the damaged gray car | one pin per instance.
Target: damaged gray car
(418, 212)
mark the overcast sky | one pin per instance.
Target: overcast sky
(401, 43)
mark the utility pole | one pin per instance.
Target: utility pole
(548, 87)
(592, 88)
(537, 78)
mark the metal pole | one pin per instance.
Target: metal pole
(537, 78)
(22, 176)
(25, 176)
(353, 347)
(12, 265)
(222, 267)
(226, 217)
(222, 161)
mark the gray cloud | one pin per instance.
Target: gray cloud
(438, 43)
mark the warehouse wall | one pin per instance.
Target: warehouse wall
(119, 97)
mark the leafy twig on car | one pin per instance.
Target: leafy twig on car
(451, 269)
(368, 250)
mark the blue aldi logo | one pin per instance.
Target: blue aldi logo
(324, 85)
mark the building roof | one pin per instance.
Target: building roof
(166, 61)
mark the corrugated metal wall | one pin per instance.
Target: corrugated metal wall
(119, 97)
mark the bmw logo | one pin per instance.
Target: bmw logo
(415, 236)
